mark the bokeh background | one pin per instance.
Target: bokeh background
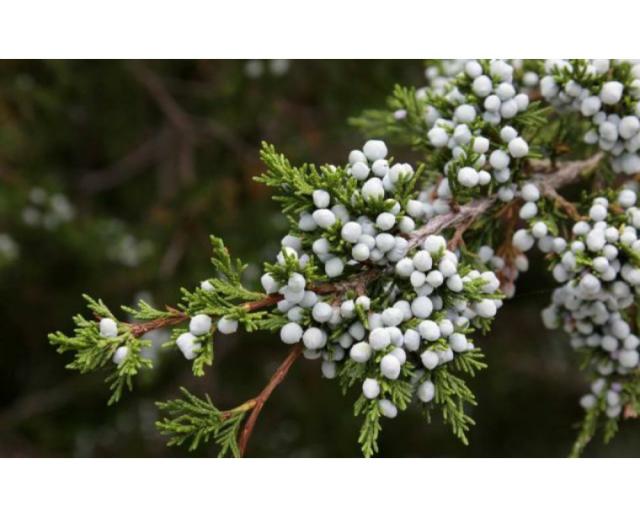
(112, 176)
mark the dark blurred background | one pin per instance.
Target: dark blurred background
(112, 176)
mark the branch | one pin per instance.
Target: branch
(160, 94)
(139, 329)
(264, 395)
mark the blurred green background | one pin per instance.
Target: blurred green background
(112, 176)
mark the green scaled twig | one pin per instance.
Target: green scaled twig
(194, 421)
(93, 351)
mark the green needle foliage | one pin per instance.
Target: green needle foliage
(193, 421)
(94, 352)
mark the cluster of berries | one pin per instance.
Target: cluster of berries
(599, 270)
(413, 318)
(603, 92)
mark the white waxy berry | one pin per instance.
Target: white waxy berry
(321, 246)
(422, 261)
(422, 307)
(611, 92)
(438, 137)
(351, 232)
(509, 109)
(269, 284)
(348, 309)
(108, 328)
(334, 267)
(380, 168)
(465, 113)
(324, 217)
(207, 286)
(523, 240)
(359, 171)
(473, 69)
(486, 308)
(227, 325)
(188, 345)
(360, 352)
(508, 133)
(468, 177)
(522, 101)
(120, 355)
(200, 325)
(598, 212)
(588, 401)
(321, 198)
(385, 221)
(482, 86)
(390, 367)
(370, 388)
(415, 208)
(385, 242)
(447, 267)
(296, 282)
(629, 358)
(434, 244)
(590, 106)
(360, 252)
(379, 338)
(435, 278)
(291, 333)
(627, 198)
(314, 338)
(322, 312)
(364, 302)
(480, 144)
(539, 230)
(328, 369)
(356, 156)
(309, 299)
(518, 147)
(306, 223)
(373, 189)
(499, 159)
(530, 192)
(411, 340)
(295, 314)
(404, 267)
(589, 284)
(629, 126)
(455, 283)
(506, 194)
(387, 408)
(429, 330)
(528, 210)
(429, 359)
(505, 91)
(392, 316)
(458, 342)
(407, 225)
(375, 150)
(492, 103)
(426, 391)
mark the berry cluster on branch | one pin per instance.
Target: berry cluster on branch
(389, 269)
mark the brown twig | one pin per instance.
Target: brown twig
(139, 329)
(568, 207)
(465, 215)
(264, 395)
